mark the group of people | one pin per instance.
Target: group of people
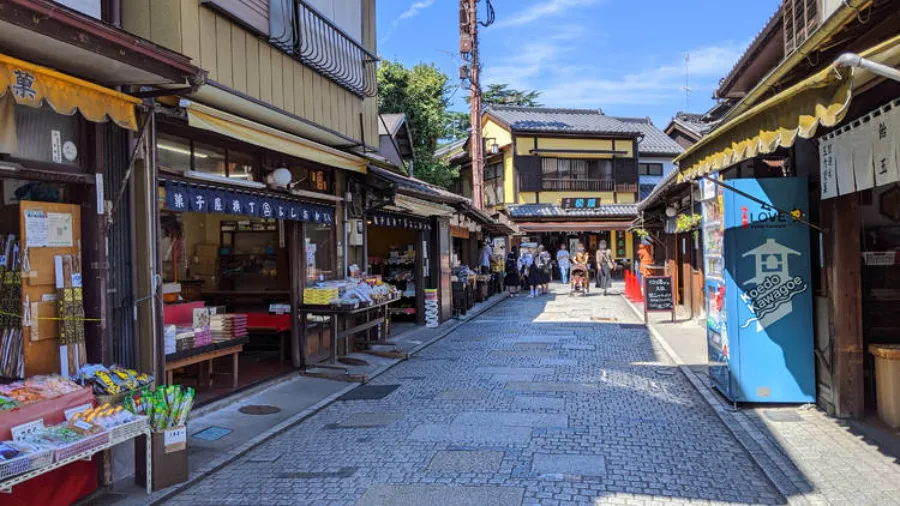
(532, 268)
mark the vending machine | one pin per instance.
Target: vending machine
(758, 289)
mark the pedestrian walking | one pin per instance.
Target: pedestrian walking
(562, 261)
(605, 266)
(529, 273)
(546, 269)
(486, 255)
(512, 269)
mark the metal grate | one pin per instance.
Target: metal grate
(369, 392)
(302, 32)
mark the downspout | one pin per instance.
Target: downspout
(854, 60)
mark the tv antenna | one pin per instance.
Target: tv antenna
(687, 82)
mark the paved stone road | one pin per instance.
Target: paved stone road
(551, 401)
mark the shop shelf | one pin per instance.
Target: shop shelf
(25, 464)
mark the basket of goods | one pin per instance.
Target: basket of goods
(111, 385)
(116, 420)
(19, 457)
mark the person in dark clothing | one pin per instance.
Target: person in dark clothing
(511, 280)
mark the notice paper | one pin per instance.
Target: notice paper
(36, 230)
(59, 229)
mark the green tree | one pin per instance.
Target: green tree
(502, 94)
(457, 125)
(423, 94)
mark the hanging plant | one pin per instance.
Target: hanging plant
(687, 222)
(642, 233)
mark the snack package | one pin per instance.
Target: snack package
(8, 452)
(7, 403)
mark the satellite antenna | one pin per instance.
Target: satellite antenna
(687, 82)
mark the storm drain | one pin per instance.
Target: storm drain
(344, 472)
(352, 361)
(259, 409)
(369, 392)
(212, 433)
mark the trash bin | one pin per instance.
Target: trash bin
(887, 382)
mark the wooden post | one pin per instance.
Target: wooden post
(297, 261)
(846, 306)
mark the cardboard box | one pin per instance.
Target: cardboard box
(170, 462)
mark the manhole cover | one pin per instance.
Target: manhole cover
(352, 361)
(259, 409)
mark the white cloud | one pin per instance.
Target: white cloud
(570, 82)
(415, 8)
(541, 10)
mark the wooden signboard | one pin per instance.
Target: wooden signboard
(659, 297)
(48, 230)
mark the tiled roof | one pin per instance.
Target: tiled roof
(447, 149)
(543, 119)
(555, 211)
(417, 186)
(390, 123)
(668, 181)
(646, 189)
(655, 141)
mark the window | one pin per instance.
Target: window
(173, 153)
(321, 252)
(650, 169)
(209, 159)
(43, 135)
(493, 184)
(575, 174)
(241, 165)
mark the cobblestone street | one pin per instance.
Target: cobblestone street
(555, 400)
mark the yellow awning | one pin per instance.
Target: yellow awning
(220, 122)
(821, 99)
(31, 85)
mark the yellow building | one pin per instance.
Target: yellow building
(568, 175)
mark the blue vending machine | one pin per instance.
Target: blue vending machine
(758, 293)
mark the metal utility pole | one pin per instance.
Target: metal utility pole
(468, 48)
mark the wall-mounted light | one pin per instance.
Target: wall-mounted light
(671, 211)
(492, 145)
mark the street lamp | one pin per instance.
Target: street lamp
(495, 148)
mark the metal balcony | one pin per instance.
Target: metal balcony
(315, 41)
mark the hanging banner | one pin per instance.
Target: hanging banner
(187, 197)
(383, 219)
(861, 155)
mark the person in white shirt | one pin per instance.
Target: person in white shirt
(562, 261)
(486, 257)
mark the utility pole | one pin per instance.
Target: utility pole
(468, 48)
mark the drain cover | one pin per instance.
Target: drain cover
(212, 433)
(259, 409)
(352, 361)
(369, 392)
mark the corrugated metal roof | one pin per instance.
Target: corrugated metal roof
(555, 211)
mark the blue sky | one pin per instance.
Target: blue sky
(625, 57)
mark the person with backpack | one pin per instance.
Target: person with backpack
(605, 266)
(511, 268)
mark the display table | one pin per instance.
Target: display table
(376, 315)
(83, 450)
(207, 354)
(265, 324)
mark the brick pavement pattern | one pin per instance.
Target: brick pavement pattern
(556, 400)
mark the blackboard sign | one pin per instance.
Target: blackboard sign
(658, 295)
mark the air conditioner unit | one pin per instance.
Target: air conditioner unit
(355, 235)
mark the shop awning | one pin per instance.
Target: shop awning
(32, 85)
(578, 226)
(421, 207)
(821, 99)
(251, 132)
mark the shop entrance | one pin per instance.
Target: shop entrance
(392, 255)
(237, 268)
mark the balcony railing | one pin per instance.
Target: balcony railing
(626, 188)
(315, 41)
(578, 185)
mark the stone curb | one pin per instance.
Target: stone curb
(160, 496)
(759, 455)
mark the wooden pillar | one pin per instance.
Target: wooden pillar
(419, 277)
(297, 261)
(846, 306)
(440, 264)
